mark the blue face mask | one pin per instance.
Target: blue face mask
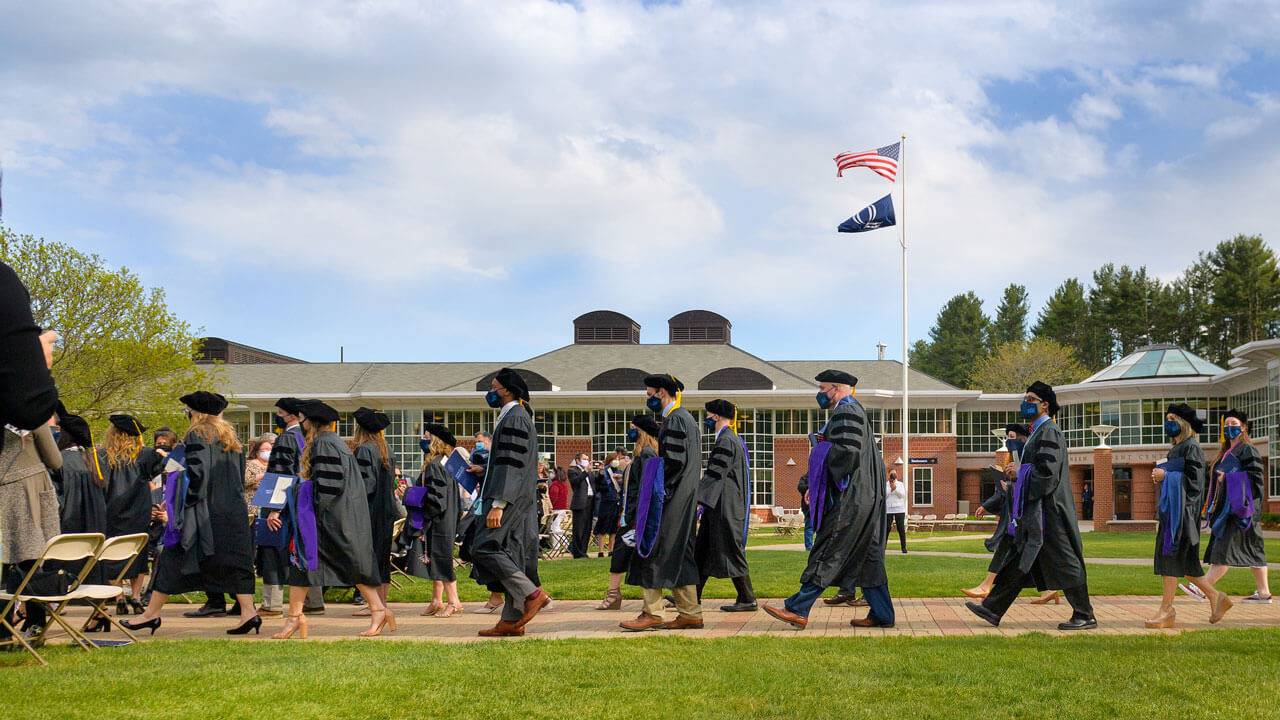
(1231, 431)
(425, 444)
(654, 403)
(1029, 409)
(709, 423)
(479, 444)
(633, 435)
(57, 434)
(1014, 446)
(1171, 428)
(824, 400)
(492, 398)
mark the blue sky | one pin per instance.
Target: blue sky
(459, 180)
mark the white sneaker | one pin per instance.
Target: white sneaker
(1193, 591)
(1257, 599)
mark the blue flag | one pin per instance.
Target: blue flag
(872, 217)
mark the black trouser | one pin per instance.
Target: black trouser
(1010, 581)
(581, 532)
(901, 519)
(34, 611)
(746, 593)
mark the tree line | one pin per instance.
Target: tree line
(1229, 296)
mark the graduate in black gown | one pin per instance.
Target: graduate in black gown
(328, 521)
(129, 470)
(285, 459)
(665, 544)
(725, 497)
(1015, 439)
(1042, 546)
(81, 486)
(1181, 494)
(432, 525)
(1236, 495)
(846, 500)
(208, 541)
(505, 547)
(379, 473)
(643, 435)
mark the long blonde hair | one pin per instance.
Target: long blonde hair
(1184, 429)
(211, 427)
(121, 448)
(645, 440)
(437, 450)
(313, 428)
(379, 439)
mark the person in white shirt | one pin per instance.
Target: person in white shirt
(895, 508)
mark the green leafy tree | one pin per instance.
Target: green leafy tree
(1013, 366)
(1066, 319)
(1245, 284)
(957, 341)
(120, 348)
(1010, 325)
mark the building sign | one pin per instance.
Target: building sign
(924, 461)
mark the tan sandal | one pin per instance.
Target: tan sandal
(432, 609)
(449, 610)
(612, 601)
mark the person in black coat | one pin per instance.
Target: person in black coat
(581, 503)
(1234, 539)
(28, 397)
(643, 433)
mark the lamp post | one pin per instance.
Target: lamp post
(1103, 432)
(999, 433)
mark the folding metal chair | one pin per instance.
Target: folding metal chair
(71, 547)
(396, 529)
(122, 548)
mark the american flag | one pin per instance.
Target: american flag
(882, 161)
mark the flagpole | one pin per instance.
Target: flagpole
(908, 479)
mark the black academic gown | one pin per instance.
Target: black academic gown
(1185, 559)
(511, 476)
(998, 505)
(129, 504)
(721, 544)
(1046, 545)
(380, 488)
(82, 504)
(623, 554)
(672, 564)
(440, 513)
(1236, 547)
(848, 547)
(216, 551)
(345, 542)
(285, 459)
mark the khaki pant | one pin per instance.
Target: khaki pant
(686, 596)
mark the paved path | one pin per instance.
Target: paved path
(986, 556)
(918, 617)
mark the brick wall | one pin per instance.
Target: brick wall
(1103, 487)
(942, 448)
(1145, 493)
(785, 477)
(567, 447)
(971, 488)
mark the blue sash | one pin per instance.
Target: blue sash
(1170, 508)
(304, 550)
(746, 519)
(175, 497)
(414, 499)
(1239, 496)
(649, 506)
(818, 482)
(1017, 499)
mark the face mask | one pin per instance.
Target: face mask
(653, 403)
(279, 422)
(1231, 431)
(824, 400)
(1171, 428)
(709, 423)
(615, 464)
(425, 445)
(57, 434)
(479, 444)
(264, 455)
(1028, 409)
(1014, 446)
(633, 435)
(492, 398)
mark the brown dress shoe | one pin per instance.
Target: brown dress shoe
(787, 617)
(868, 622)
(838, 599)
(644, 621)
(683, 623)
(532, 604)
(503, 629)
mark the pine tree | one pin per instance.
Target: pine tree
(957, 341)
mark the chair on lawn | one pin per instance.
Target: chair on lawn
(930, 522)
(915, 522)
(122, 549)
(396, 528)
(555, 530)
(781, 526)
(948, 521)
(72, 547)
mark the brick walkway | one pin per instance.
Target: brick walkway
(917, 617)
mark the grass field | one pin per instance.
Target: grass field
(1096, 545)
(1031, 676)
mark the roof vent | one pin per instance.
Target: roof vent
(699, 327)
(605, 327)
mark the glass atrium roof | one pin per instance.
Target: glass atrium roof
(1156, 361)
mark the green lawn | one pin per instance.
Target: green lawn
(989, 677)
(1096, 544)
(776, 573)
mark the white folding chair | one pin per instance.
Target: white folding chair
(122, 549)
(71, 547)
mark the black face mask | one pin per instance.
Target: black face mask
(279, 423)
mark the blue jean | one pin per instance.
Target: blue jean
(881, 605)
(808, 533)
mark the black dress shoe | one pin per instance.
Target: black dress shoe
(205, 611)
(152, 625)
(253, 623)
(740, 607)
(1077, 623)
(982, 612)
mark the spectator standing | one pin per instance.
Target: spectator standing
(895, 509)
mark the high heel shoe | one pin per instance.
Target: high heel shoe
(122, 607)
(1163, 620)
(136, 606)
(153, 625)
(388, 622)
(449, 610)
(299, 626)
(1221, 607)
(433, 608)
(254, 623)
(978, 594)
(1056, 597)
(97, 623)
(612, 600)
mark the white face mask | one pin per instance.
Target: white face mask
(264, 455)
(615, 464)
